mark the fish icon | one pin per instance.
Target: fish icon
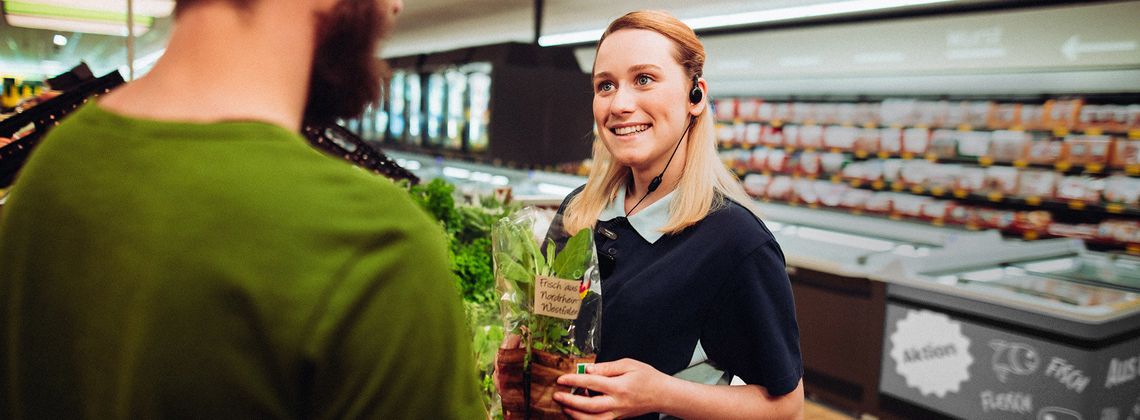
(1016, 358)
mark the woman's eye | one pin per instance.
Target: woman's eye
(605, 86)
(644, 80)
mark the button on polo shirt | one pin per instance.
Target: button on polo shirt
(717, 288)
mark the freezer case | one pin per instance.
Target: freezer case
(1032, 336)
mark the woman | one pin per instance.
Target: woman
(694, 288)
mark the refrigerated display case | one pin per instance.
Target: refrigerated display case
(456, 114)
(479, 87)
(414, 95)
(435, 102)
(397, 106)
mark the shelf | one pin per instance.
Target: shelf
(1059, 131)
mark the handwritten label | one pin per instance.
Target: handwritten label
(931, 352)
(1016, 358)
(557, 298)
(1009, 402)
(1121, 371)
(1063, 371)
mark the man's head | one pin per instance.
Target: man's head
(346, 73)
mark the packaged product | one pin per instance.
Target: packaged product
(1122, 189)
(759, 159)
(890, 140)
(1080, 188)
(747, 109)
(809, 163)
(1044, 152)
(1134, 116)
(973, 143)
(778, 160)
(780, 188)
(725, 109)
(961, 214)
(1037, 220)
(725, 134)
(1062, 112)
(1037, 183)
(832, 163)
(550, 296)
(1002, 179)
(1127, 153)
(937, 209)
(792, 135)
(972, 179)
(1032, 117)
(1080, 231)
(830, 195)
(773, 136)
(909, 205)
(847, 113)
(783, 112)
(1127, 231)
(727, 157)
(1001, 219)
(840, 137)
(943, 176)
(1084, 150)
(916, 172)
(1008, 146)
(827, 113)
(811, 137)
(867, 112)
(891, 169)
(805, 191)
(756, 185)
(1111, 118)
(916, 140)
(880, 202)
(765, 111)
(867, 140)
(871, 170)
(743, 160)
(931, 113)
(898, 111)
(739, 131)
(854, 198)
(944, 144)
(977, 113)
(802, 112)
(1004, 116)
(752, 133)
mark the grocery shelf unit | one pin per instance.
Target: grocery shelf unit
(515, 105)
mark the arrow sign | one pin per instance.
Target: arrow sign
(1074, 47)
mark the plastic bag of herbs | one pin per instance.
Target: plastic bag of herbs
(550, 296)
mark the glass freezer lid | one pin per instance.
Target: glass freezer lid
(1019, 285)
(1108, 270)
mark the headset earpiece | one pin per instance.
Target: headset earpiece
(696, 94)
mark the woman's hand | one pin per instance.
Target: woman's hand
(630, 388)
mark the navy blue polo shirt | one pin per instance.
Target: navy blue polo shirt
(716, 290)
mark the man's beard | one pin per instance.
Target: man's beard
(346, 74)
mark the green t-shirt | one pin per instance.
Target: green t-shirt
(165, 270)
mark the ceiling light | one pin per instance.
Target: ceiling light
(152, 8)
(59, 40)
(759, 16)
(66, 18)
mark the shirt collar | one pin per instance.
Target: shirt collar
(647, 222)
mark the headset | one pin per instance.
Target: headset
(695, 96)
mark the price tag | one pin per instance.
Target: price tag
(1020, 163)
(918, 189)
(861, 154)
(1114, 208)
(965, 127)
(777, 123)
(810, 150)
(856, 183)
(995, 196)
(789, 149)
(985, 160)
(1133, 249)
(938, 191)
(938, 222)
(794, 203)
(812, 176)
(1134, 134)
(907, 155)
(878, 185)
(896, 126)
(1033, 200)
(932, 157)
(870, 125)
(884, 155)
(1076, 204)
(1133, 169)
(857, 211)
(961, 193)
(897, 186)
(972, 226)
(813, 206)
(1094, 167)
(1060, 131)
(1094, 131)
(809, 122)
(835, 179)
(1017, 127)
(1063, 166)
(1030, 235)
(835, 150)
(896, 216)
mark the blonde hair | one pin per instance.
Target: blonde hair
(705, 182)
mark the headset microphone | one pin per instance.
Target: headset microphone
(695, 96)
